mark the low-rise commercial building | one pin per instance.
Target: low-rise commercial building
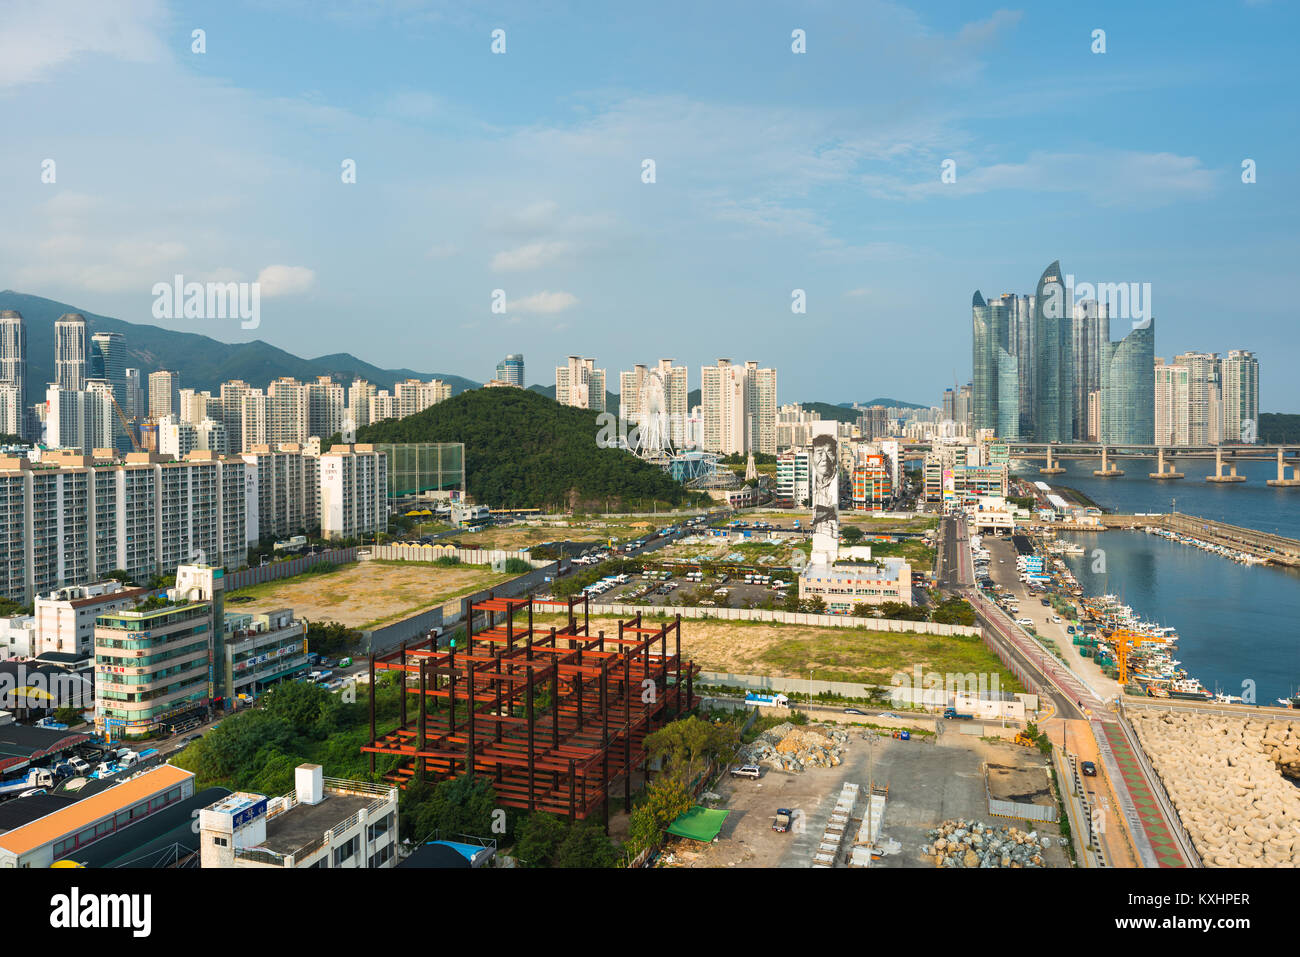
(62, 833)
(324, 822)
(262, 650)
(873, 582)
(153, 667)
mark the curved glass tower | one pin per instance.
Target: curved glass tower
(1128, 388)
(996, 379)
(1053, 408)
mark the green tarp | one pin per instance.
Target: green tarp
(699, 824)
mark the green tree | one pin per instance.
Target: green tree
(665, 800)
(463, 805)
(586, 845)
(852, 534)
(690, 744)
(540, 836)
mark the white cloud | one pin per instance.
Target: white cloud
(40, 36)
(285, 280)
(532, 256)
(543, 302)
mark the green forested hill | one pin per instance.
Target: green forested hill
(523, 450)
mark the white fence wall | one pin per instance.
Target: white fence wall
(787, 618)
(467, 556)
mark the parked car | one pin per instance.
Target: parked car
(747, 771)
(1089, 769)
(784, 817)
(1024, 621)
(853, 711)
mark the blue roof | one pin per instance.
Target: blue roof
(468, 851)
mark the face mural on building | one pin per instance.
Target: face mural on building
(825, 482)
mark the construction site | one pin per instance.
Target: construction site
(555, 716)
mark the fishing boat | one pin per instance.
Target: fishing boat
(1189, 689)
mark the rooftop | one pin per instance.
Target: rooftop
(303, 824)
(73, 818)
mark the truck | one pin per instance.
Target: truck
(783, 819)
(951, 714)
(770, 699)
(36, 778)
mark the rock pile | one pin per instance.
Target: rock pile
(972, 844)
(1224, 774)
(790, 748)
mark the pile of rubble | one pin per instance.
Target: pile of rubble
(790, 748)
(972, 844)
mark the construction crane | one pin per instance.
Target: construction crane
(1123, 640)
(126, 426)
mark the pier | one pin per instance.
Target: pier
(1269, 548)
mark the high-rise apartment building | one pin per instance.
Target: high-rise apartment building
(660, 391)
(1202, 396)
(1091, 327)
(722, 405)
(79, 420)
(353, 491)
(134, 403)
(283, 492)
(1128, 392)
(108, 361)
(164, 394)
(360, 396)
(324, 407)
(996, 371)
(760, 401)
(1173, 404)
(72, 518)
(510, 370)
(580, 384)
(1053, 408)
(1239, 380)
(794, 426)
(13, 359)
(738, 408)
(70, 358)
(286, 411)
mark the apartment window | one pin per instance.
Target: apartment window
(382, 856)
(220, 842)
(346, 851)
(380, 827)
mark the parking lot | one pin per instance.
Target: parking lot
(928, 783)
(734, 592)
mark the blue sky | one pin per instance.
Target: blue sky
(775, 172)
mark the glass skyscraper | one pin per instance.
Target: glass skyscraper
(996, 370)
(1128, 388)
(511, 369)
(1053, 405)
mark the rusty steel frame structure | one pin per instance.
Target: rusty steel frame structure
(604, 695)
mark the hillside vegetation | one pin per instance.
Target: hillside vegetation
(523, 450)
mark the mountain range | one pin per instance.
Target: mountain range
(203, 362)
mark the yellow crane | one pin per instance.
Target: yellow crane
(1123, 640)
(126, 426)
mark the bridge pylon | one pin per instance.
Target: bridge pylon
(1282, 465)
(1052, 467)
(1161, 472)
(1107, 470)
(1218, 475)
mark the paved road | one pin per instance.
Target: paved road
(1072, 698)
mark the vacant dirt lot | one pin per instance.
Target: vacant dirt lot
(367, 594)
(832, 654)
(928, 783)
